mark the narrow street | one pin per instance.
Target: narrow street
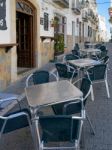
(100, 112)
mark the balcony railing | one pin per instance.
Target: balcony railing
(85, 16)
(77, 11)
(62, 3)
(76, 7)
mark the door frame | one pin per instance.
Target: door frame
(34, 28)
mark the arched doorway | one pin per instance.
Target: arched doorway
(25, 34)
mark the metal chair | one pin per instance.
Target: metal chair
(104, 52)
(98, 74)
(14, 121)
(59, 130)
(70, 57)
(65, 71)
(75, 107)
(7, 98)
(38, 77)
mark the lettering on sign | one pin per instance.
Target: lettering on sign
(3, 25)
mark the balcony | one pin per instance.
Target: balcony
(84, 4)
(77, 11)
(62, 3)
(85, 16)
(76, 7)
(90, 15)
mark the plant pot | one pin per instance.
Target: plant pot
(58, 53)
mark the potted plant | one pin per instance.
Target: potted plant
(59, 44)
(55, 22)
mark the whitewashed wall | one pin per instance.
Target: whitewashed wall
(46, 8)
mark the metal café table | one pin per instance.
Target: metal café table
(85, 63)
(91, 45)
(49, 94)
(91, 50)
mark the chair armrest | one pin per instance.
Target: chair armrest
(77, 81)
(70, 67)
(16, 98)
(53, 74)
(82, 111)
(27, 80)
(18, 115)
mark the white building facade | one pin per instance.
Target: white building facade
(33, 31)
(102, 29)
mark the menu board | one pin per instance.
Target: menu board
(3, 25)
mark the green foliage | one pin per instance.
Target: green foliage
(59, 43)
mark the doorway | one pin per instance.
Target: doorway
(24, 36)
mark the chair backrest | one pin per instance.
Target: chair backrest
(97, 72)
(98, 45)
(105, 59)
(85, 88)
(86, 44)
(76, 47)
(74, 107)
(14, 121)
(59, 128)
(71, 57)
(63, 108)
(38, 77)
(103, 48)
(62, 69)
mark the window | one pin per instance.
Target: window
(23, 7)
(46, 21)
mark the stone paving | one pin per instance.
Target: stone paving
(100, 113)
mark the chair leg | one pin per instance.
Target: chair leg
(91, 126)
(107, 88)
(92, 93)
(82, 143)
(77, 145)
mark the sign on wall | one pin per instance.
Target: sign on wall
(3, 25)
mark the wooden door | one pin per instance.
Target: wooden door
(24, 40)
